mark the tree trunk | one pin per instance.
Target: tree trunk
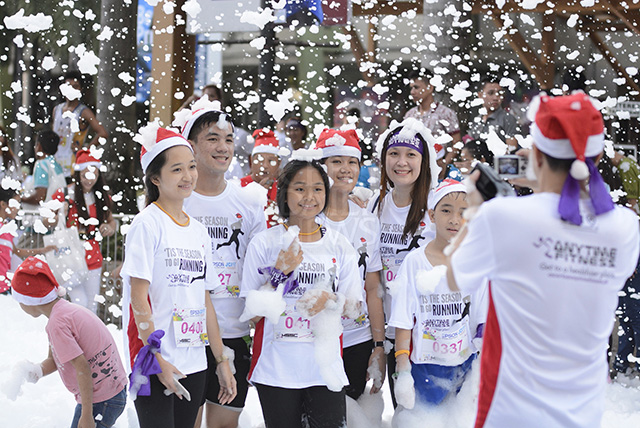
(118, 55)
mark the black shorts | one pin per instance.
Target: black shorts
(356, 363)
(316, 406)
(161, 411)
(242, 362)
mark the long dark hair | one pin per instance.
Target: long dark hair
(101, 195)
(420, 190)
(284, 180)
(152, 193)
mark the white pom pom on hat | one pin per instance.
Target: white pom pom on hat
(579, 170)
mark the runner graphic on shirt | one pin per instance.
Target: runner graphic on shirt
(203, 276)
(362, 251)
(236, 231)
(465, 311)
(415, 239)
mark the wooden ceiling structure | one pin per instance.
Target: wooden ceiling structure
(603, 16)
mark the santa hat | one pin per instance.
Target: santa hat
(439, 151)
(447, 186)
(333, 142)
(191, 119)
(265, 142)
(34, 284)
(570, 127)
(155, 140)
(84, 159)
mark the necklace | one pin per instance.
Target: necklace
(186, 223)
(301, 233)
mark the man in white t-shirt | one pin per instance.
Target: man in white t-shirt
(232, 217)
(555, 263)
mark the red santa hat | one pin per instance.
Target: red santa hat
(334, 142)
(447, 186)
(568, 127)
(155, 140)
(439, 151)
(84, 159)
(265, 142)
(34, 284)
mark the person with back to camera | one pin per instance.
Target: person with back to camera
(168, 317)
(81, 348)
(48, 175)
(89, 209)
(409, 172)
(48, 178)
(555, 262)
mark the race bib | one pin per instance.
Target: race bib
(229, 281)
(450, 347)
(293, 327)
(189, 327)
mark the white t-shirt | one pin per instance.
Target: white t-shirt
(444, 323)
(362, 230)
(394, 246)
(231, 219)
(552, 297)
(290, 363)
(177, 263)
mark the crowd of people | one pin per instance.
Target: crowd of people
(276, 266)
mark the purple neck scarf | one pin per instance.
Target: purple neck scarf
(569, 206)
(145, 365)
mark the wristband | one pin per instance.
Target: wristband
(277, 277)
(378, 344)
(401, 352)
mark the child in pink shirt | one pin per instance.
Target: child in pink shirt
(81, 348)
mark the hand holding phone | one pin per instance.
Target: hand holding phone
(490, 184)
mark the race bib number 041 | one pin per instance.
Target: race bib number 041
(293, 327)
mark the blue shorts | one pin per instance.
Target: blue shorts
(109, 410)
(434, 383)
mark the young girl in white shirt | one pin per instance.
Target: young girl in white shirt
(317, 272)
(167, 273)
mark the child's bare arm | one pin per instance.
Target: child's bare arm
(83, 374)
(26, 252)
(48, 365)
